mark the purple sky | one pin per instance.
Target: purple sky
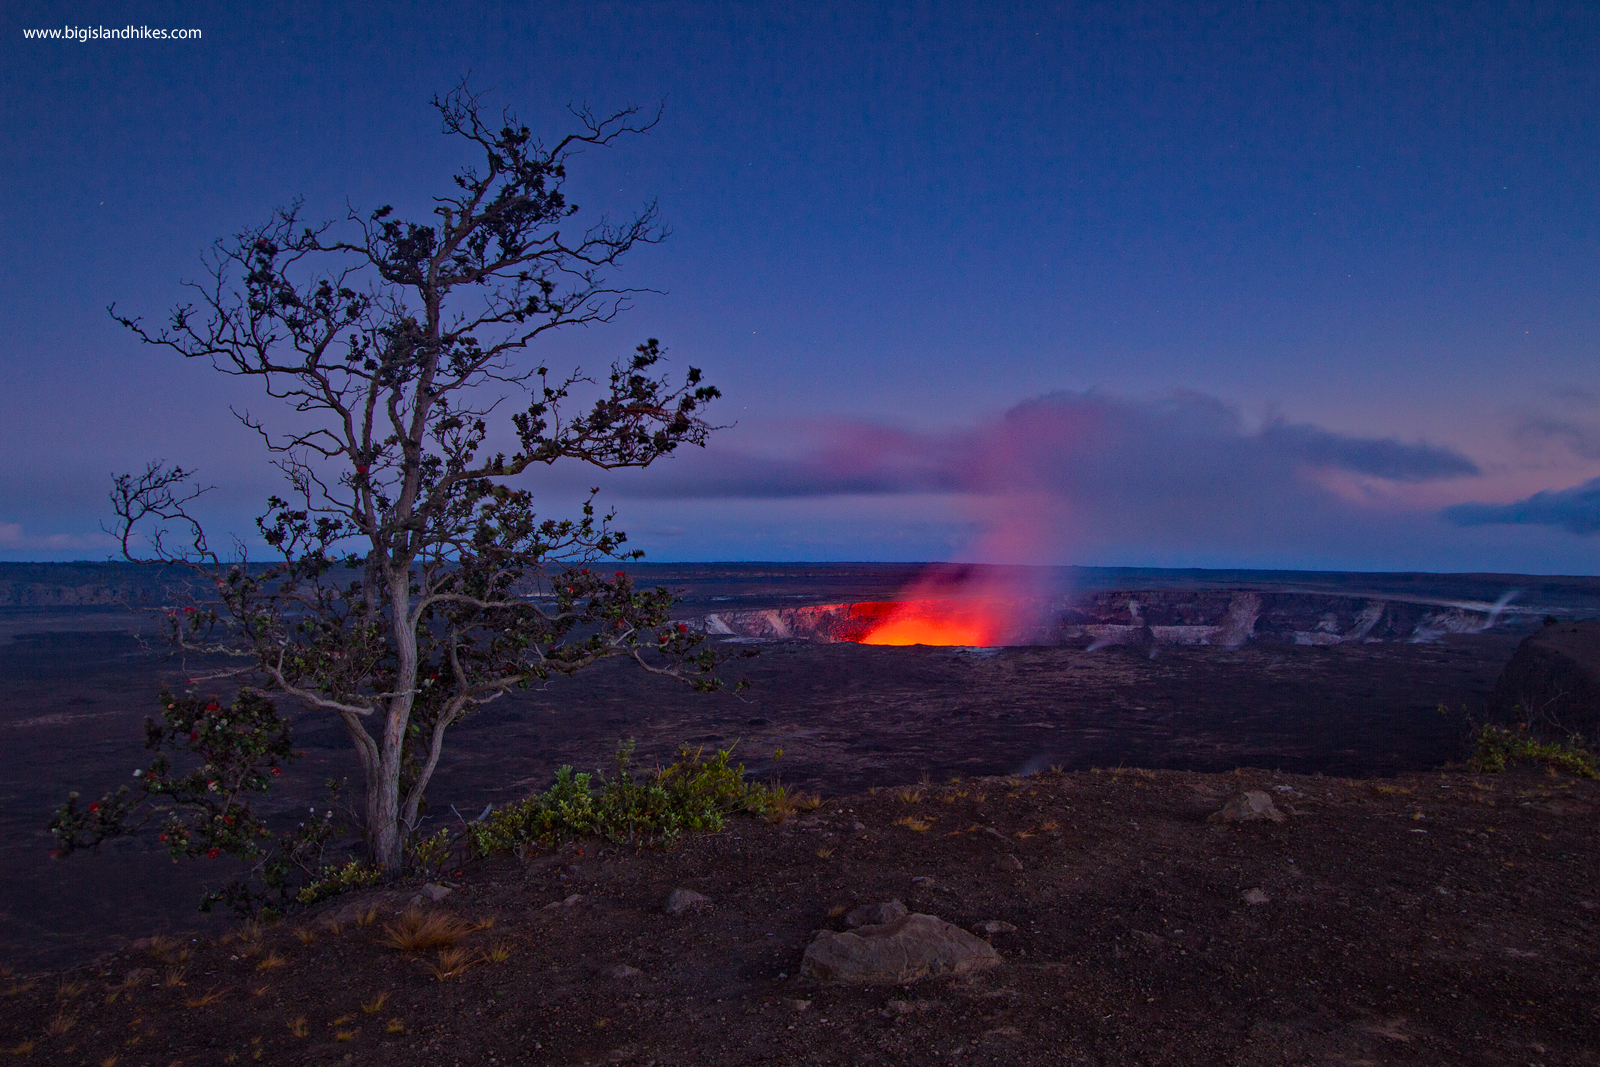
(1162, 284)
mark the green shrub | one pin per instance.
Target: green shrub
(1499, 748)
(692, 793)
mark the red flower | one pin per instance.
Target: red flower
(213, 706)
(683, 628)
(228, 819)
(56, 853)
(163, 837)
(276, 771)
(194, 735)
(188, 611)
(95, 806)
(622, 574)
(212, 853)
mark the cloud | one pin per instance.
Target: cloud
(1576, 509)
(1076, 475)
(1186, 444)
(13, 538)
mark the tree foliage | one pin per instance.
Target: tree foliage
(415, 581)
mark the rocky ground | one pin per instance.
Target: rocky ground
(1435, 918)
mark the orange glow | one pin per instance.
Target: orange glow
(939, 622)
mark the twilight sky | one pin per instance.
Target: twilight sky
(1187, 284)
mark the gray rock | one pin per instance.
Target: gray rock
(682, 900)
(876, 914)
(1255, 896)
(570, 902)
(1008, 863)
(1254, 806)
(990, 927)
(622, 970)
(917, 946)
(434, 892)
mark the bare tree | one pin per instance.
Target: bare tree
(416, 582)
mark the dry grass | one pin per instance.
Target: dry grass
(297, 1026)
(60, 1024)
(306, 935)
(418, 931)
(271, 961)
(375, 1005)
(68, 990)
(499, 953)
(837, 910)
(210, 996)
(824, 852)
(451, 962)
(19, 988)
(911, 822)
(109, 1061)
(1049, 826)
(909, 795)
(368, 917)
(395, 1027)
(174, 977)
(484, 924)
(21, 1048)
(346, 1035)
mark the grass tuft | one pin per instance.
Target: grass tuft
(174, 977)
(297, 1026)
(306, 935)
(418, 931)
(395, 1026)
(375, 1005)
(499, 952)
(451, 962)
(60, 1024)
(911, 822)
(272, 961)
(210, 996)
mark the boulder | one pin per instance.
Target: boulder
(990, 927)
(876, 914)
(1253, 806)
(914, 947)
(1552, 683)
(1008, 863)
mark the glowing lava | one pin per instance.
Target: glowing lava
(940, 622)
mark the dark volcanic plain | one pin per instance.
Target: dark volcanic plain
(1416, 915)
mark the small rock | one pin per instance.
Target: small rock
(1008, 863)
(1255, 896)
(906, 1007)
(990, 927)
(876, 914)
(571, 902)
(992, 832)
(859, 827)
(917, 946)
(682, 900)
(1254, 806)
(798, 1005)
(434, 892)
(139, 974)
(622, 970)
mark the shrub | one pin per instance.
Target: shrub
(1498, 748)
(692, 793)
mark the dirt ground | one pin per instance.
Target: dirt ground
(847, 718)
(1438, 918)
